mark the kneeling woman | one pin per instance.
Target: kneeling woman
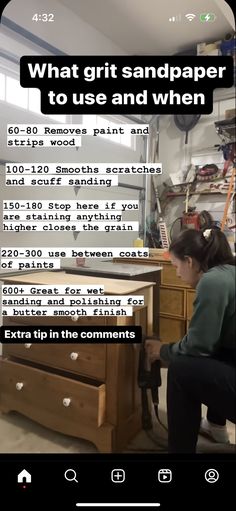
(202, 365)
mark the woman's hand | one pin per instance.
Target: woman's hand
(152, 348)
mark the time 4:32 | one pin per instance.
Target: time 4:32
(43, 17)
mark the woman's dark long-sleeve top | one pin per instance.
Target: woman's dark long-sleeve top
(211, 330)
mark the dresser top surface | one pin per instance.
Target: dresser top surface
(114, 268)
(111, 286)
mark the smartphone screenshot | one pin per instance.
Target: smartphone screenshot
(117, 254)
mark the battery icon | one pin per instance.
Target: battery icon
(207, 17)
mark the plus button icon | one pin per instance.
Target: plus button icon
(118, 475)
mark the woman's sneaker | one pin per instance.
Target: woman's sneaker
(214, 432)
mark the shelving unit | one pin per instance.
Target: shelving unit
(226, 130)
(227, 133)
(180, 194)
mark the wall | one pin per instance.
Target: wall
(79, 38)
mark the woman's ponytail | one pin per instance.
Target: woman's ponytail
(218, 250)
(208, 246)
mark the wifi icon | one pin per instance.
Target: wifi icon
(190, 17)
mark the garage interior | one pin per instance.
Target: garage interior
(197, 180)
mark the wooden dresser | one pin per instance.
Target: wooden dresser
(123, 271)
(176, 297)
(84, 390)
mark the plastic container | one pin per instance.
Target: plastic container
(138, 242)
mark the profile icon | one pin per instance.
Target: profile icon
(211, 475)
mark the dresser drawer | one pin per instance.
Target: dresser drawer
(171, 329)
(191, 295)
(85, 359)
(55, 401)
(169, 277)
(172, 301)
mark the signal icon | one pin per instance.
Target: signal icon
(175, 18)
(190, 17)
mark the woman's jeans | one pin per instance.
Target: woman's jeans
(193, 381)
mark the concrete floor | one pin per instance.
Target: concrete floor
(19, 434)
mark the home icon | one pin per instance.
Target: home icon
(24, 477)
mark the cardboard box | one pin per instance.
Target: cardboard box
(209, 49)
(159, 253)
(230, 114)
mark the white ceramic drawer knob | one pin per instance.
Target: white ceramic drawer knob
(74, 355)
(27, 346)
(75, 318)
(66, 401)
(19, 385)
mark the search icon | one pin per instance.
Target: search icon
(70, 475)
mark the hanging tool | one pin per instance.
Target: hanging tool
(186, 123)
(162, 225)
(190, 218)
(231, 192)
(187, 198)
